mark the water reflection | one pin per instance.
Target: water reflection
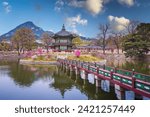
(27, 75)
(62, 82)
(90, 90)
(51, 82)
(105, 85)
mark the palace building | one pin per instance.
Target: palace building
(63, 40)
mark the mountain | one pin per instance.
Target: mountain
(36, 30)
(87, 38)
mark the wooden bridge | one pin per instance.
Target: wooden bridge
(131, 80)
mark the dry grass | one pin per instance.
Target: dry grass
(87, 58)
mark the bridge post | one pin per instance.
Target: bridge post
(76, 63)
(98, 81)
(77, 71)
(85, 82)
(77, 78)
(88, 65)
(111, 74)
(70, 67)
(79, 63)
(97, 70)
(84, 74)
(133, 79)
(96, 92)
(67, 66)
(104, 66)
(60, 64)
(115, 69)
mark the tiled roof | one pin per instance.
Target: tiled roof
(63, 32)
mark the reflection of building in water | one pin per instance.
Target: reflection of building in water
(62, 82)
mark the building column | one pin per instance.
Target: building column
(97, 81)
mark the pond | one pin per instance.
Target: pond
(24, 82)
(45, 82)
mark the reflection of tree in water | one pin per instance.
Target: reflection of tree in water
(42, 71)
(21, 75)
(25, 75)
(89, 89)
(62, 82)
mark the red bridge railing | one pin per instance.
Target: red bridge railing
(137, 82)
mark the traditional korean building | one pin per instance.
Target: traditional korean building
(63, 40)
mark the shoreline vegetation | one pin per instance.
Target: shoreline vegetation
(12, 55)
(113, 60)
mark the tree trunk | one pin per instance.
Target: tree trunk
(118, 50)
(103, 46)
(18, 53)
(47, 49)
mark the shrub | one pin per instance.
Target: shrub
(77, 53)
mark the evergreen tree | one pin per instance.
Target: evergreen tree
(138, 44)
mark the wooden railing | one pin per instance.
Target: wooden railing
(128, 79)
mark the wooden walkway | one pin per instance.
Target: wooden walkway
(136, 82)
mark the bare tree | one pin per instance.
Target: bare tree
(4, 45)
(23, 39)
(47, 40)
(117, 39)
(131, 27)
(104, 29)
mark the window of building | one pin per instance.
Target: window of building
(63, 47)
(63, 41)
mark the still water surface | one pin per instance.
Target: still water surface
(30, 82)
(46, 82)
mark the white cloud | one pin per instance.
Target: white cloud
(59, 5)
(72, 22)
(76, 3)
(94, 6)
(7, 7)
(118, 23)
(127, 2)
(5, 3)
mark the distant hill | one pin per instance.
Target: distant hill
(36, 30)
(87, 38)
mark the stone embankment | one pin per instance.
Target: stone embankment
(31, 62)
(9, 56)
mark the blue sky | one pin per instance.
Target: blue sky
(79, 16)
